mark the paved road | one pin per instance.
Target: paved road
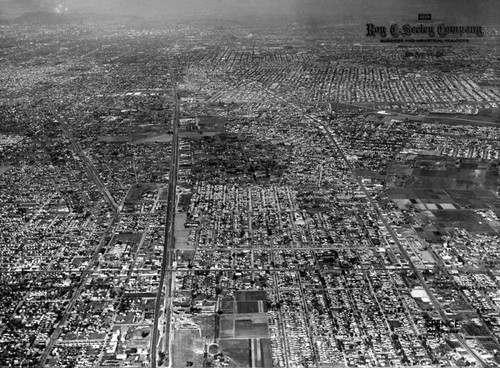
(89, 167)
(88, 271)
(166, 275)
(402, 249)
(386, 225)
(428, 115)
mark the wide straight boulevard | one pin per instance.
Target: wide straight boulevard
(164, 295)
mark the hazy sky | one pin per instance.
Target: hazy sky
(465, 11)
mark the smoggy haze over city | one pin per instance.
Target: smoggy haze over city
(483, 11)
(249, 183)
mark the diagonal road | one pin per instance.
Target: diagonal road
(85, 275)
(77, 149)
(402, 249)
(377, 209)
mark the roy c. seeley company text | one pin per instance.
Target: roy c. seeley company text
(406, 30)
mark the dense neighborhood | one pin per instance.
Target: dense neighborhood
(188, 195)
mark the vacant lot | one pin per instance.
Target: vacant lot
(188, 347)
(454, 178)
(465, 219)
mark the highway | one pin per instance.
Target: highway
(164, 298)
